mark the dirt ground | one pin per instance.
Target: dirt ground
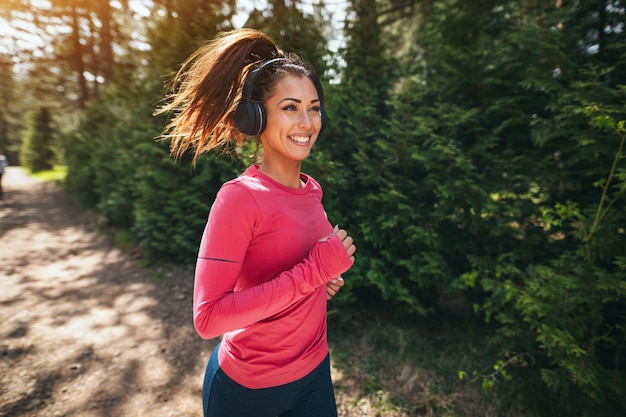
(84, 329)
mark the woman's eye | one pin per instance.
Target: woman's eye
(290, 107)
(316, 108)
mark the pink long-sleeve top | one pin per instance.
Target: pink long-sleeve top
(261, 276)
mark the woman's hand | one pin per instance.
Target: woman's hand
(333, 287)
(348, 242)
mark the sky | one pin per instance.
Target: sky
(336, 7)
(12, 39)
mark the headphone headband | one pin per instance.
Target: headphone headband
(248, 86)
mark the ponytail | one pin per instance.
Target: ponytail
(207, 88)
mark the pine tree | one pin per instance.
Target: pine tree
(37, 152)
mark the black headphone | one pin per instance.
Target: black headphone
(250, 115)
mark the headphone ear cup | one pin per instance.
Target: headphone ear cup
(250, 118)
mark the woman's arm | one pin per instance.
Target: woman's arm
(217, 307)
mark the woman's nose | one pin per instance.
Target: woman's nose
(305, 119)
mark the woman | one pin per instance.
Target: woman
(268, 258)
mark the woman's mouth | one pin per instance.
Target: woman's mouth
(300, 139)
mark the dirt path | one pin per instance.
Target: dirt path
(84, 330)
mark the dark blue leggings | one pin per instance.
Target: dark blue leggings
(310, 396)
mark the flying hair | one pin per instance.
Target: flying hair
(207, 89)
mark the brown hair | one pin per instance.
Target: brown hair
(207, 89)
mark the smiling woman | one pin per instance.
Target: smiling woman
(269, 259)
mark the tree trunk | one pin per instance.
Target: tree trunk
(106, 49)
(77, 60)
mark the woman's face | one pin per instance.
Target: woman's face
(293, 120)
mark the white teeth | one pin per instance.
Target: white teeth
(300, 139)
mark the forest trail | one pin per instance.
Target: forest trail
(84, 329)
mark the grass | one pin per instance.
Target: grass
(56, 174)
(409, 366)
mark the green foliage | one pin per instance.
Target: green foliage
(553, 280)
(37, 150)
(284, 24)
(575, 303)
(116, 165)
(173, 200)
(456, 182)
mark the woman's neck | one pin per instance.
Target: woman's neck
(287, 176)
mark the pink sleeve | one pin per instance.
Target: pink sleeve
(217, 308)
